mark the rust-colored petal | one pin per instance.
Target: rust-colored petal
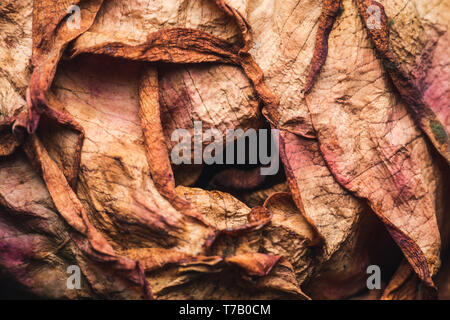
(156, 149)
(51, 36)
(254, 264)
(330, 10)
(89, 240)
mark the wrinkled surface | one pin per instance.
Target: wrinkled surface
(85, 171)
(220, 96)
(420, 40)
(15, 56)
(385, 160)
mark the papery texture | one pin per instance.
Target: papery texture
(92, 92)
